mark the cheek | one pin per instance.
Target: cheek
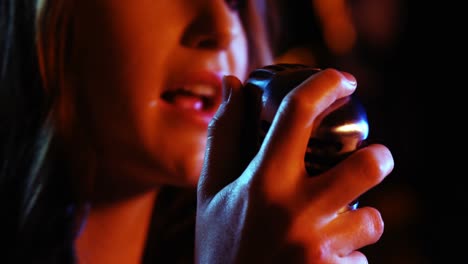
(239, 56)
(111, 71)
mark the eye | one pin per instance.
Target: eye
(236, 5)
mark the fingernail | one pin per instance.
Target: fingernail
(227, 88)
(349, 78)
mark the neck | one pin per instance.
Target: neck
(116, 232)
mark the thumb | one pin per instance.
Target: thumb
(232, 137)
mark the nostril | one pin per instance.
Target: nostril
(207, 43)
(236, 5)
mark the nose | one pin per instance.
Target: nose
(215, 26)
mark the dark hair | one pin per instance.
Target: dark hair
(40, 217)
(37, 219)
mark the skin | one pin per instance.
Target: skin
(122, 78)
(278, 212)
(139, 140)
(130, 139)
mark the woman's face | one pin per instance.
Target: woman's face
(147, 80)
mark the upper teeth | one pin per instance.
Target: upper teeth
(200, 89)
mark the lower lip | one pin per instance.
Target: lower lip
(200, 117)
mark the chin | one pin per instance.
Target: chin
(193, 172)
(185, 180)
(185, 172)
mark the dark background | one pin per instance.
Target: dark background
(423, 211)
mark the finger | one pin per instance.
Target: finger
(289, 133)
(349, 179)
(231, 137)
(354, 230)
(355, 257)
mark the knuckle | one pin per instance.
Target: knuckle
(319, 253)
(374, 168)
(295, 103)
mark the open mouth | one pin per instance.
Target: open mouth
(198, 97)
